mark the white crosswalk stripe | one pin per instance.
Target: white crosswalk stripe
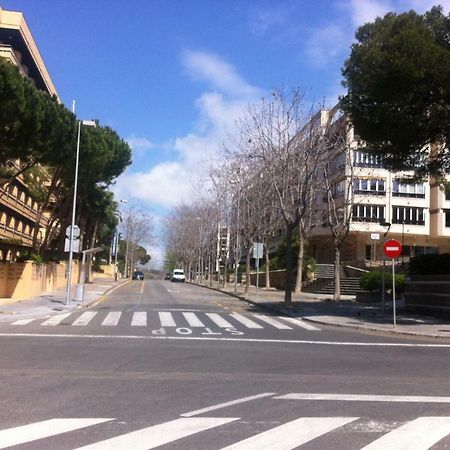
(273, 322)
(157, 435)
(219, 320)
(22, 322)
(419, 434)
(55, 320)
(166, 319)
(85, 318)
(245, 321)
(193, 320)
(300, 323)
(112, 319)
(41, 430)
(292, 434)
(139, 319)
(422, 433)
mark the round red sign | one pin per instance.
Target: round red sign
(392, 248)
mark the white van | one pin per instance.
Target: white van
(178, 275)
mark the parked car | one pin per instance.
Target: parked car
(178, 275)
(168, 276)
(138, 275)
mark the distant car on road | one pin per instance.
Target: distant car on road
(138, 275)
(168, 276)
(178, 275)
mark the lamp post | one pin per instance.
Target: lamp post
(88, 123)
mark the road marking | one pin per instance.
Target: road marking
(245, 321)
(166, 319)
(300, 323)
(219, 320)
(365, 398)
(224, 405)
(292, 434)
(151, 437)
(142, 287)
(41, 430)
(85, 318)
(139, 319)
(22, 322)
(227, 339)
(55, 320)
(273, 322)
(193, 320)
(419, 434)
(112, 319)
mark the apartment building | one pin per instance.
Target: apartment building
(21, 220)
(384, 205)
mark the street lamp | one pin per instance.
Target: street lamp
(87, 123)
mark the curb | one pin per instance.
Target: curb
(340, 325)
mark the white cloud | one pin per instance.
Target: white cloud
(221, 75)
(363, 11)
(139, 143)
(262, 20)
(325, 44)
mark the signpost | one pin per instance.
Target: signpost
(73, 235)
(393, 249)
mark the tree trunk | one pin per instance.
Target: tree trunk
(337, 275)
(247, 271)
(301, 251)
(288, 287)
(267, 264)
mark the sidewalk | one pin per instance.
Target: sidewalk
(51, 303)
(321, 309)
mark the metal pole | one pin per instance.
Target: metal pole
(393, 293)
(238, 253)
(74, 207)
(115, 255)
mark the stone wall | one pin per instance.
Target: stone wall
(428, 296)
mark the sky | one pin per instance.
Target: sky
(172, 76)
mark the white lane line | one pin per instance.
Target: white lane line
(151, 437)
(84, 319)
(139, 319)
(225, 339)
(55, 320)
(41, 430)
(219, 320)
(292, 434)
(365, 398)
(273, 322)
(166, 319)
(22, 322)
(193, 320)
(419, 434)
(245, 321)
(112, 319)
(230, 403)
(300, 323)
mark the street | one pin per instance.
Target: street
(158, 363)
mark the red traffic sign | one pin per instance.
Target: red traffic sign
(392, 248)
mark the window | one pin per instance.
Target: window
(366, 159)
(368, 213)
(447, 217)
(402, 189)
(408, 215)
(374, 186)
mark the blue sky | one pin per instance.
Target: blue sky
(171, 76)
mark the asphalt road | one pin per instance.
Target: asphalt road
(175, 365)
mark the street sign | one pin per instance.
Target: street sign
(258, 250)
(375, 236)
(75, 245)
(392, 248)
(75, 233)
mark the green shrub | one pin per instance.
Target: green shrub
(437, 264)
(373, 282)
(28, 256)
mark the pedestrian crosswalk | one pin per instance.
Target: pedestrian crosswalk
(421, 433)
(172, 320)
